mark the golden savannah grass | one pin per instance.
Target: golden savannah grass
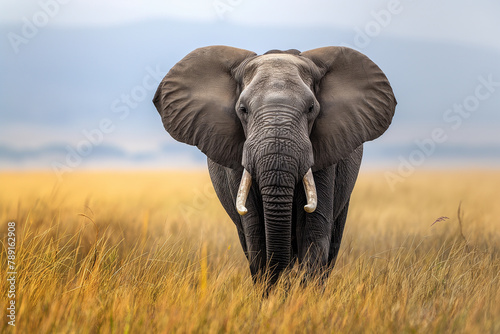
(154, 252)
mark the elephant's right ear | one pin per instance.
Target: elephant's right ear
(196, 101)
(356, 103)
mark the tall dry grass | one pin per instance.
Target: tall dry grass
(154, 252)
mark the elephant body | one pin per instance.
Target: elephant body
(268, 122)
(315, 239)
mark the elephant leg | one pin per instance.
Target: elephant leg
(337, 232)
(313, 230)
(319, 233)
(345, 178)
(254, 232)
(251, 225)
(223, 188)
(251, 231)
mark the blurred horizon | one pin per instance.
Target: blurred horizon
(77, 78)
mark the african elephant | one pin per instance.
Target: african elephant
(266, 123)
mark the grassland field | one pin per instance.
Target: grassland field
(154, 252)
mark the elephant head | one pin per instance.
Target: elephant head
(275, 117)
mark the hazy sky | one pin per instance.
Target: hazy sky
(63, 78)
(466, 21)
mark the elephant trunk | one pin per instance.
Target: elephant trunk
(278, 169)
(278, 156)
(277, 198)
(246, 182)
(277, 191)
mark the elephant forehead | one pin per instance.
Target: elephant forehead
(276, 63)
(284, 66)
(278, 58)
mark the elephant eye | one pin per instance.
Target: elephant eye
(243, 109)
(311, 107)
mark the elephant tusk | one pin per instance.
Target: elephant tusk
(241, 199)
(311, 195)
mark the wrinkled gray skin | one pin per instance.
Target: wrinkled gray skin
(277, 115)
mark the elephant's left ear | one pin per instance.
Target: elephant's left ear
(356, 103)
(196, 101)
